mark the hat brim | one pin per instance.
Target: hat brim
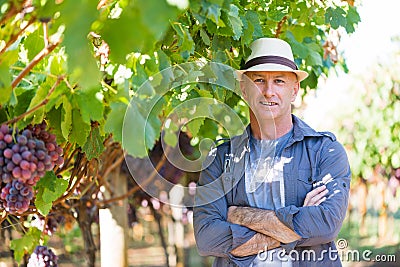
(301, 75)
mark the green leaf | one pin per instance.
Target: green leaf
(79, 129)
(90, 105)
(136, 35)
(204, 37)
(34, 43)
(94, 145)
(314, 58)
(235, 21)
(170, 138)
(66, 118)
(50, 188)
(25, 244)
(141, 128)
(194, 126)
(213, 12)
(81, 63)
(335, 17)
(254, 21)
(5, 83)
(156, 15)
(278, 9)
(115, 120)
(9, 57)
(57, 64)
(24, 100)
(353, 18)
(185, 43)
(54, 120)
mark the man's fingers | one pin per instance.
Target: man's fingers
(318, 197)
(313, 193)
(320, 201)
(313, 197)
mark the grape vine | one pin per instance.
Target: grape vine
(25, 156)
(42, 256)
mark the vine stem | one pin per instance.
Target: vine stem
(15, 36)
(137, 187)
(41, 104)
(44, 52)
(278, 30)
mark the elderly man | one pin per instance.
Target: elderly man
(277, 194)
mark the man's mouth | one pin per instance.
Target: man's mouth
(267, 103)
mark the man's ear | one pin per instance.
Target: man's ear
(296, 89)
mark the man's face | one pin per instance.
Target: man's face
(269, 94)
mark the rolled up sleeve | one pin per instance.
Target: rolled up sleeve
(321, 224)
(214, 235)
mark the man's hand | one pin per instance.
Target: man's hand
(316, 196)
(258, 243)
(262, 221)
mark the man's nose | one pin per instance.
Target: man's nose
(268, 89)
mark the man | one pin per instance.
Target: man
(276, 195)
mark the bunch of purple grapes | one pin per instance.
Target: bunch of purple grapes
(25, 157)
(42, 256)
(48, 226)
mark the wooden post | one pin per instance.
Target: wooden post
(114, 224)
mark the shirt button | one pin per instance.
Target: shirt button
(344, 184)
(309, 179)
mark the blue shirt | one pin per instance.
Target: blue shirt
(265, 187)
(314, 157)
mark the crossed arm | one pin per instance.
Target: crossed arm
(270, 230)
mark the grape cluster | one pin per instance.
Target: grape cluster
(48, 226)
(42, 256)
(25, 157)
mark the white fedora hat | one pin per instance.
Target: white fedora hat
(272, 54)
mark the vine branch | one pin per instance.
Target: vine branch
(44, 52)
(41, 104)
(14, 37)
(137, 187)
(278, 30)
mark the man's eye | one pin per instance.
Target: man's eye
(259, 80)
(279, 81)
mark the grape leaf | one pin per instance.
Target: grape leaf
(5, 83)
(194, 125)
(49, 189)
(90, 105)
(79, 129)
(54, 121)
(25, 244)
(34, 43)
(156, 14)
(94, 144)
(213, 12)
(115, 120)
(353, 18)
(235, 21)
(204, 37)
(335, 17)
(81, 62)
(140, 131)
(136, 35)
(66, 118)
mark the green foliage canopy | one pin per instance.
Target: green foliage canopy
(74, 66)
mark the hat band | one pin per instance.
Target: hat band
(270, 59)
